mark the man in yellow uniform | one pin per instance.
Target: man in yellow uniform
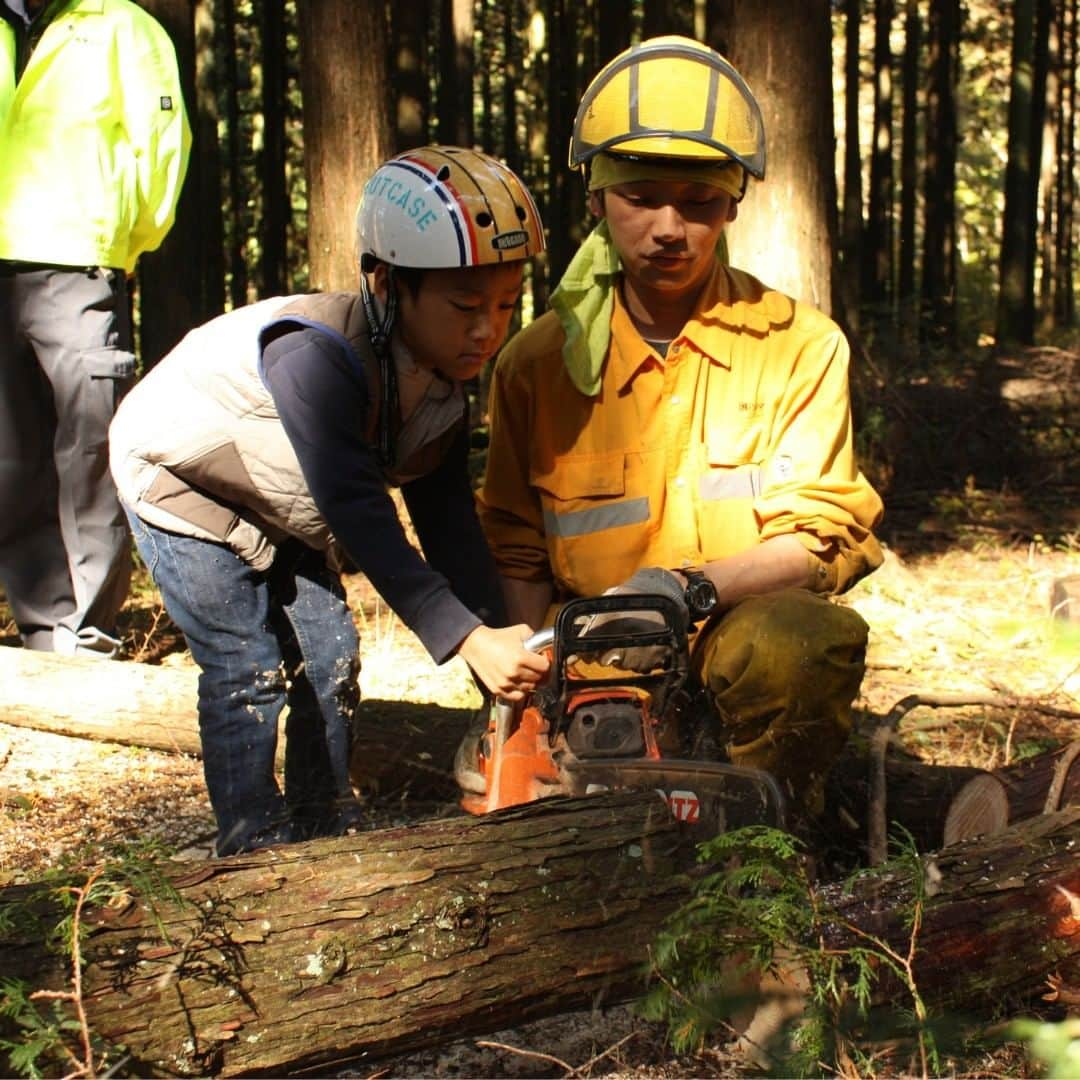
(674, 414)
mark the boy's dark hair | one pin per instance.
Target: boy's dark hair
(411, 277)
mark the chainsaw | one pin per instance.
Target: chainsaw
(594, 725)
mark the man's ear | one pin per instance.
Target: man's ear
(596, 203)
(733, 211)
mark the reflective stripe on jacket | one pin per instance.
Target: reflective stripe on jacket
(94, 140)
(742, 433)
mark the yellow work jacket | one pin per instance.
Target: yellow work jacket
(94, 141)
(742, 433)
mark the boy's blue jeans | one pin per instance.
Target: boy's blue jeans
(264, 640)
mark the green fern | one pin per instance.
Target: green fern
(34, 1036)
(755, 907)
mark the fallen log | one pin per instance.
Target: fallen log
(1043, 783)
(312, 954)
(110, 701)
(155, 706)
(1000, 914)
(937, 805)
(307, 957)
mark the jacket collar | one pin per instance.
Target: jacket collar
(732, 301)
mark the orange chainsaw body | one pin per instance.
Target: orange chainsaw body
(524, 764)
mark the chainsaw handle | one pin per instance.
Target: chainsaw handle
(541, 640)
(537, 643)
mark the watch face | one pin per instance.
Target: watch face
(700, 594)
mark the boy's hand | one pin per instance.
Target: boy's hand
(501, 663)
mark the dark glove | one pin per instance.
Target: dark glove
(639, 658)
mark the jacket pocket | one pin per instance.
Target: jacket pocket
(726, 494)
(596, 529)
(109, 363)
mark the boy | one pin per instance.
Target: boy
(253, 462)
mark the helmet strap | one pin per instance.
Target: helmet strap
(379, 330)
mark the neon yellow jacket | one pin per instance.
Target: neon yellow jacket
(94, 140)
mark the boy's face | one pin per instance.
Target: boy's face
(665, 231)
(458, 319)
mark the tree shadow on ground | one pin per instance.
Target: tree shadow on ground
(990, 451)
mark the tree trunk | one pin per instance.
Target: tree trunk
(168, 278)
(346, 126)
(851, 219)
(1065, 243)
(156, 706)
(409, 73)
(999, 915)
(1015, 307)
(236, 230)
(276, 211)
(787, 225)
(312, 955)
(878, 279)
(455, 91)
(907, 302)
(939, 177)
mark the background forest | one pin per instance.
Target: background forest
(920, 186)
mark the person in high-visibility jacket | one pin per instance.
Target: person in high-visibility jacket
(94, 145)
(673, 414)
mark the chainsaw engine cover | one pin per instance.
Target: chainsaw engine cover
(604, 729)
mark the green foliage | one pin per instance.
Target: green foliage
(1055, 1046)
(757, 913)
(37, 1027)
(40, 1034)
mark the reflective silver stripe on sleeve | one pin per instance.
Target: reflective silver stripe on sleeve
(608, 516)
(730, 484)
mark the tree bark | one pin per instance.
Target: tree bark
(878, 275)
(939, 177)
(1015, 306)
(1000, 914)
(786, 228)
(851, 217)
(313, 955)
(346, 126)
(169, 277)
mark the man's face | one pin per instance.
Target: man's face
(666, 231)
(458, 319)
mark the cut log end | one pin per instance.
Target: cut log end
(979, 808)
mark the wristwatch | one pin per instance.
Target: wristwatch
(700, 594)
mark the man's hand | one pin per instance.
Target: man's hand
(640, 658)
(501, 663)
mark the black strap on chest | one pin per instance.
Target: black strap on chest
(379, 336)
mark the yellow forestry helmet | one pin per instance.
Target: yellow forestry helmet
(670, 97)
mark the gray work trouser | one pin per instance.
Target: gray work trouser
(65, 360)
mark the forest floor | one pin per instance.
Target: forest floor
(963, 605)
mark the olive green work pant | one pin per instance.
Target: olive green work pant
(781, 671)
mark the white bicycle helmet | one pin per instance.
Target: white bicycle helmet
(439, 207)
